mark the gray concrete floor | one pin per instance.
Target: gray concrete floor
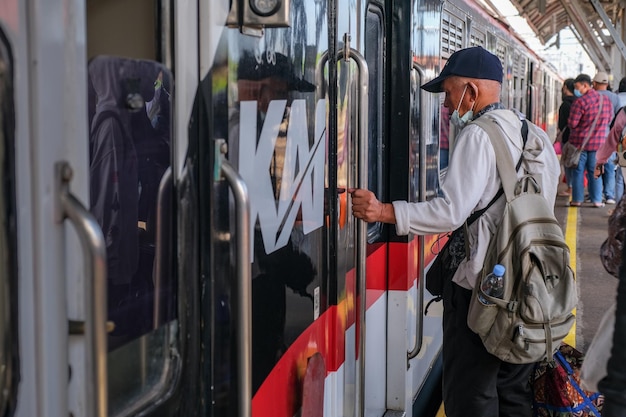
(597, 288)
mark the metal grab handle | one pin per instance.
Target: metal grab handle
(419, 317)
(319, 72)
(348, 53)
(92, 240)
(361, 231)
(244, 281)
(163, 234)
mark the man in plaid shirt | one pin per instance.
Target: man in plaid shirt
(581, 118)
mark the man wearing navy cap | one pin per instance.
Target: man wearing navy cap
(475, 383)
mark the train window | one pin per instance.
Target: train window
(424, 144)
(516, 93)
(477, 37)
(8, 239)
(522, 92)
(500, 52)
(129, 140)
(374, 37)
(452, 30)
(491, 42)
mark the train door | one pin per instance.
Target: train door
(263, 118)
(98, 294)
(414, 333)
(47, 103)
(361, 162)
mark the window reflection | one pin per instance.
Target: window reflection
(129, 152)
(129, 145)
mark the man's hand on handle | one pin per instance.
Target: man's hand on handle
(365, 206)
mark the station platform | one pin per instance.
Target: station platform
(585, 229)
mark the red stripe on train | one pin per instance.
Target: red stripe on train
(404, 261)
(281, 392)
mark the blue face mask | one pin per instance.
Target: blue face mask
(457, 120)
(577, 93)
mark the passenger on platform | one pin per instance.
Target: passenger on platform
(601, 84)
(620, 184)
(475, 383)
(608, 149)
(567, 97)
(589, 120)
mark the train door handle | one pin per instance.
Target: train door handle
(419, 317)
(95, 284)
(243, 295)
(162, 255)
(349, 53)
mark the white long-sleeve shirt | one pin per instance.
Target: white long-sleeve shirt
(470, 184)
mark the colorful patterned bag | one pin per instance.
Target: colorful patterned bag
(556, 387)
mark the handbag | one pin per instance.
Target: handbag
(611, 248)
(570, 154)
(447, 261)
(556, 387)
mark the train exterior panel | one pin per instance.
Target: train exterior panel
(177, 227)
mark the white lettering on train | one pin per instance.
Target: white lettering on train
(301, 186)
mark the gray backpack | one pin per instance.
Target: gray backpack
(535, 313)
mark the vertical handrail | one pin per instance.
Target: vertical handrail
(95, 285)
(361, 230)
(244, 281)
(419, 317)
(163, 230)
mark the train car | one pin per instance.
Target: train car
(530, 85)
(176, 224)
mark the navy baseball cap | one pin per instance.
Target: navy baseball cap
(474, 62)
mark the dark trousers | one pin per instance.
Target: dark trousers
(476, 383)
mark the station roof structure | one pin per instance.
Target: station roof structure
(593, 22)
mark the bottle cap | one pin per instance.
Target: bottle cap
(498, 270)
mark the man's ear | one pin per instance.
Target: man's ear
(472, 90)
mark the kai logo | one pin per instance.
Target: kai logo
(298, 193)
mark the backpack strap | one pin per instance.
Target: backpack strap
(480, 212)
(504, 161)
(491, 129)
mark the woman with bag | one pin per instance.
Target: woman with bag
(567, 97)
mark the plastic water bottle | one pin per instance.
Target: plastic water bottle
(493, 284)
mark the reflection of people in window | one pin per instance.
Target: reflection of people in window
(264, 80)
(113, 170)
(124, 147)
(285, 268)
